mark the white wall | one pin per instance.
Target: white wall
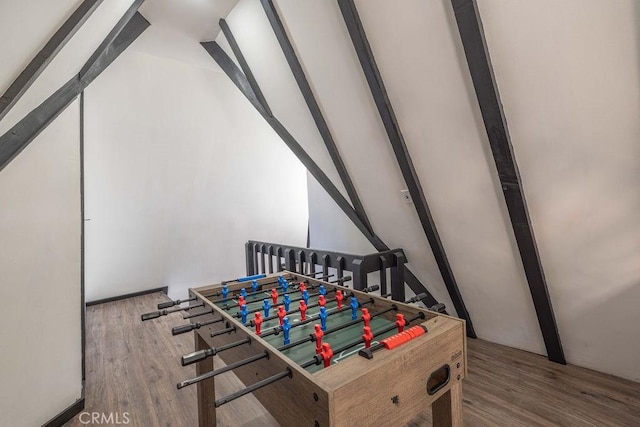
(569, 78)
(40, 221)
(329, 227)
(430, 89)
(260, 47)
(571, 99)
(180, 173)
(40, 360)
(69, 60)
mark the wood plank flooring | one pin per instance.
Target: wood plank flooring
(133, 367)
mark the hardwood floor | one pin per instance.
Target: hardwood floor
(133, 367)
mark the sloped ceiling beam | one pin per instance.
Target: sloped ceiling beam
(26, 130)
(46, 55)
(314, 108)
(244, 65)
(387, 115)
(479, 62)
(241, 82)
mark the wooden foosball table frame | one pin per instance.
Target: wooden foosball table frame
(387, 390)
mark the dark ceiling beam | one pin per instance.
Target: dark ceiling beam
(238, 78)
(94, 65)
(314, 108)
(387, 115)
(244, 65)
(46, 55)
(26, 130)
(479, 62)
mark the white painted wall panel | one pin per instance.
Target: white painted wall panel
(260, 47)
(330, 228)
(40, 356)
(325, 49)
(26, 27)
(420, 57)
(569, 76)
(181, 172)
(69, 60)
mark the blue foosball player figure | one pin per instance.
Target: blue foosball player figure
(322, 290)
(323, 318)
(225, 291)
(286, 301)
(266, 306)
(254, 286)
(305, 296)
(354, 308)
(244, 311)
(286, 327)
(243, 292)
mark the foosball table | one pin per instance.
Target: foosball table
(339, 356)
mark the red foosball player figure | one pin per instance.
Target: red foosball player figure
(302, 287)
(318, 334)
(400, 322)
(258, 322)
(303, 310)
(339, 298)
(367, 337)
(241, 300)
(281, 314)
(326, 354)
(274, 296)
(321, 301)
(366, 317)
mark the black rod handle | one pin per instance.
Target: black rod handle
(177, 330)
(416, 298)
(438, 308)
(222, 370)
(197, 356)
(183, 329)
(371, 289)
(168, 304)
(152, 315)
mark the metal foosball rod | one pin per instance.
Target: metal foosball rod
(296, 310)
(276, 330)
(344, 279)
(262, 276)
(245, 279)
(287, 373)
(183, 329)
(239, 280)
(200, 355)
(156, 314)
(318, 360)
(312, 337)
(229, 367)
(261, 291)
(368, 352)
(294, 288)
(168, 304)
(255, 310)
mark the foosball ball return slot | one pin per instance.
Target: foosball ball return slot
(317, 353)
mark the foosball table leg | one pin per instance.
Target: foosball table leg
(447, 410)
(206, 388)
